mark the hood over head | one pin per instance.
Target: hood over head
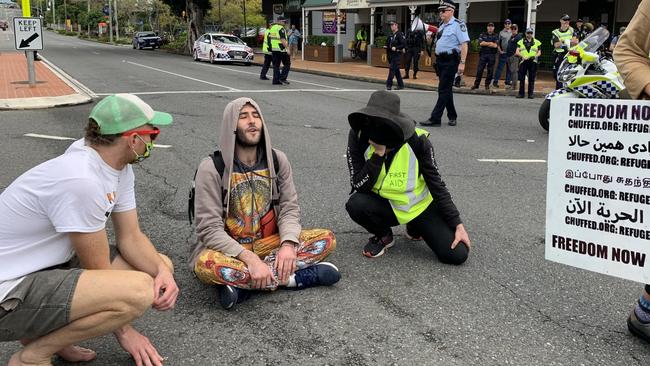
(228, 134)
(382, 121)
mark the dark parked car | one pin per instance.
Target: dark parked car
(146, 39)
(4, 25)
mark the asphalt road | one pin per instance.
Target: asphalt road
(505, 305)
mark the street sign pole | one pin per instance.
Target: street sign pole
(27, 12)
(30, 68)
(110, 21)
(28, 37)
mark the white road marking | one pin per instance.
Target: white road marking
(511, 160)
(47, 137)
(278, 90)
(258, 75)
(51, 137)
(181, 76)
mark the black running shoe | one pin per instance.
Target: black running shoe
(231, 295)
(376, 246)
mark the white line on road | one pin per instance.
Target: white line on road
(179, 75)
(51, 137)
(258, 75)
(278, 90)
(511, 160)
(48, 137)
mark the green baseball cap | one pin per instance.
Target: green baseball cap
(119, 113)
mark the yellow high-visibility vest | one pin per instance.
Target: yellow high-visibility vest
(402, 185)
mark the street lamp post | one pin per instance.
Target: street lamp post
(245, 29)
(117, 23)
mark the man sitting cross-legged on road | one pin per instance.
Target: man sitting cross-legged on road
(60, 281)
(395, 181)
(248, 219)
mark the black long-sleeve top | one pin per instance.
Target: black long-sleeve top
(364, 174)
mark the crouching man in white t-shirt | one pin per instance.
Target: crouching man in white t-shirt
(60, 281)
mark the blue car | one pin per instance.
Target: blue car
(146, 40)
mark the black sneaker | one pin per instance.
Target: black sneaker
(638, 328)
(321, 274)
(264, 78)
(519, 96)
(405, 76)
(530, 96)
(285, 82)
(430, 123)
(376, 246)
(474, 87)
(231, 295)
(496, 85)
(452, 122)
(399, 88)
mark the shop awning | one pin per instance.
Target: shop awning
(318, 4)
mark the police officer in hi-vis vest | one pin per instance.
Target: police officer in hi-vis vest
(268, 57)
(561, 42)
(280, 51)
(451, 52)
(529, 51)
(395, 181)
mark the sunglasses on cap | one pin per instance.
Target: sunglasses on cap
(152, 133)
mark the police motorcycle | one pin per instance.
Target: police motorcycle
(585, 73)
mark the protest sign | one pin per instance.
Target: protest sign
(598, 186)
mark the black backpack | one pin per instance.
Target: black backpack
(220, 166)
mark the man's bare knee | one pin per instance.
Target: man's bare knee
(138, 293)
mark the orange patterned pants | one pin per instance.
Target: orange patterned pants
(214, 267)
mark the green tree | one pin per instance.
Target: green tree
(195, 11)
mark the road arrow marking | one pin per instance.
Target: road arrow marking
(25, 42)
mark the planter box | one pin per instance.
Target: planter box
(426, 62)
(319, 53)
(380, 59)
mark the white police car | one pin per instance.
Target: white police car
(220, 47)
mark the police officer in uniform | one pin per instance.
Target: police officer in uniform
(451, 52)
(394, 48)
(561, 42)
(529, 50)
(414, 49)
(268, 57)
(487, 56)
(279, 51)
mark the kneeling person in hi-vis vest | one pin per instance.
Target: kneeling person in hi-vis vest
(248, 219)
(395, 181)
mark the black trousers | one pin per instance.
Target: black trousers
(412, 54)
(267, 64)
(375, 214)
(527, 67)
(393, 71)
(485, 60)
(285, 59)
(559, 57)
(447, 68)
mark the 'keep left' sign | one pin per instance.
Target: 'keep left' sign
(598, 187)
(28, 34)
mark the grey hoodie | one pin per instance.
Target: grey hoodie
(208, 202)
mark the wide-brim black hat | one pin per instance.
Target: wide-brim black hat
(382, 121)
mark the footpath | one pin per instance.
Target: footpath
(53, 87)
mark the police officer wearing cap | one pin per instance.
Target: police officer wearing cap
(561, 42)
(451, 52)
(528, 50)
(487, 56)
(279, 51)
